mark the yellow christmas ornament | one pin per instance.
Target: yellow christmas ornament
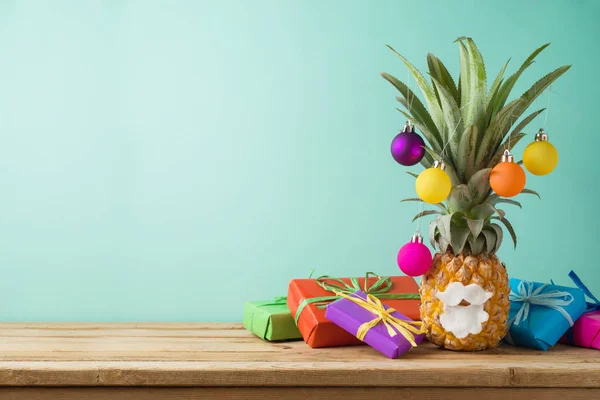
(433, 185)
(540, 157)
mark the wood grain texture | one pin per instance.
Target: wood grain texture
(313, 393)
(225, 355)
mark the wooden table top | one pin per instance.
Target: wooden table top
(224, 354)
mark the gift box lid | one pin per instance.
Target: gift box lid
(545, 324)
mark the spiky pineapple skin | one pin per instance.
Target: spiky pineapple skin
(484, 270)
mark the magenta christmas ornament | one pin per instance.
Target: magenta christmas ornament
(414, 258)
(408, 148)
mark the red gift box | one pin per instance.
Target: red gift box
(308, 298)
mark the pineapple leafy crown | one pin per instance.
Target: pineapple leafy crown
(469, 126)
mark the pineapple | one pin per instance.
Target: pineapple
(468, 126)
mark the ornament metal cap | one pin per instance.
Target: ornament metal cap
(507, 156)
(541, 136)
(439, 164)
(416, 238)
(408, 127)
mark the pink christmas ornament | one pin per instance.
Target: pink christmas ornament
(414, 258)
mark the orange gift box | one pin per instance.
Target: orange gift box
(398, 292)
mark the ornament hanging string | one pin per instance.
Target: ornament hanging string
(547, 104)
(410, 101)
(443, 152)
(540, 156)
(411, 95)
(421, 207)
(547, 107)
(535, 94)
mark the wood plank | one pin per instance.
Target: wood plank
(316, 393)
(151, 348)
(127, 332)
(200, 356)
(168, 331)
(214, 354)
(100, 326)
(364, 354)
(132, 344)
(389, 373)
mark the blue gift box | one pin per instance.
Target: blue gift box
(540, 314)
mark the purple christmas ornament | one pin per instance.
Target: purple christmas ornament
(408, 147)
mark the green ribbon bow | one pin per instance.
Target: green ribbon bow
(378, 289)
(277, 301)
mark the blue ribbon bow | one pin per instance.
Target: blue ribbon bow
(591, 306)
(553, 299)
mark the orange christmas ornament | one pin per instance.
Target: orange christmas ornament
(507, 178)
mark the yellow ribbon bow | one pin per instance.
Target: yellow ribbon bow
(408, 329)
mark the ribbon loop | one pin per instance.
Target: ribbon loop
(280, 300)
(594, 305)
(333, 284)
(553, 299)
(408, 329)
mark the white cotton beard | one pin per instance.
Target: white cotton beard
(463, 320)
(456, 292)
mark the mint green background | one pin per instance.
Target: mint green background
(169, 160)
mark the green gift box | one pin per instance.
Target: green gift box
(270, 320)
